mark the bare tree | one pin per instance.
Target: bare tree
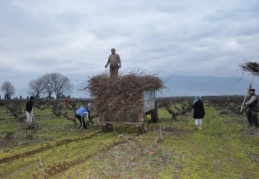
(8, 89)
(57, 83)
(48, 85)
(37, 87)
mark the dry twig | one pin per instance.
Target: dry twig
(251, 67)
(40, 162)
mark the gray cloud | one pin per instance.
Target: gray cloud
(198, 38)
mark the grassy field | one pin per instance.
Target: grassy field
(224, 148)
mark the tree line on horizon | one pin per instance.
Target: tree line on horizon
(44, 86)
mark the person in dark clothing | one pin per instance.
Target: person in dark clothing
(199, 112)
(252, 109)
(81, 113)
(29, 112)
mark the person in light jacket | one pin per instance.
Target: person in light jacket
(81, 113)
(199, 112)
(115, 63)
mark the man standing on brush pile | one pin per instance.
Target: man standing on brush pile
(252, 109)
(29, 112)
(115, 63)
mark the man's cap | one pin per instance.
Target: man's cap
(113, 49)
(252, 89)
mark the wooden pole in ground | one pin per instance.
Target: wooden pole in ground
(250, 85)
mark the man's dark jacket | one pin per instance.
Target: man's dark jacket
(29, 106)
(253, 106)
(199, 111)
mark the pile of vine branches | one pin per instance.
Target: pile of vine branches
(251, 67)
(121, 98)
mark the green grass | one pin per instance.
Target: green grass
(218, 151)
(224, 148)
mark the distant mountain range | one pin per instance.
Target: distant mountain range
(185, 86)
(205, 86)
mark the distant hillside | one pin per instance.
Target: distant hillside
(183, 86)
(191, 86)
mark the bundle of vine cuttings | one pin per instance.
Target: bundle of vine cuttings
(121, 98)
(251, 67)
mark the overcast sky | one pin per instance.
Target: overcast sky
(191, 38)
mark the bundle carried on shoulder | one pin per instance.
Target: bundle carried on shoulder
(121, 96)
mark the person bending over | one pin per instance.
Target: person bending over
(80, 115)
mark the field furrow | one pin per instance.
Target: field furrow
(42, 148)
(62, 166)
(67, 154)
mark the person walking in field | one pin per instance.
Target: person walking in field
(199, 112)
(81, 113)
(252, 109)
(29, 112)
(115, 63)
